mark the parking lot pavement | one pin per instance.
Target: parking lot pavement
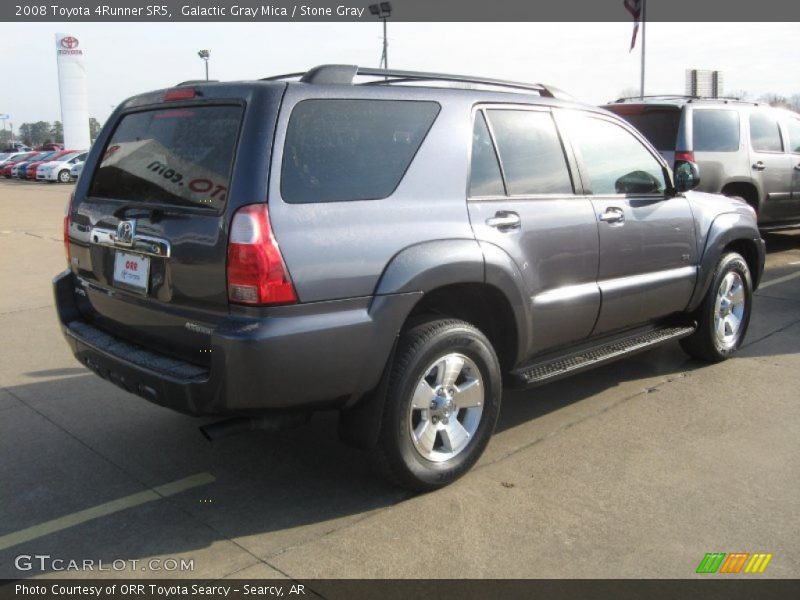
(636, 469)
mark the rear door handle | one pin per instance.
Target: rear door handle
(759, 166)
(613, 214)
(504, 220)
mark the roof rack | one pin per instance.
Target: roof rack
(687, 97)
(346, 74)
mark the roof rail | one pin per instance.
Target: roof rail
(346, 74)
(687, 97)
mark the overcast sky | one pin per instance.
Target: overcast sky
(589, 60)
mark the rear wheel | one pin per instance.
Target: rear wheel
(441, 405)
(724, 315)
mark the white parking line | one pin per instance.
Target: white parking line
(101, 510)
(772, 282)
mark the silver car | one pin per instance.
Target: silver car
(743, 149)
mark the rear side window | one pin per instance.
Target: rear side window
(172, 156)
(485, 178)
(658, 125)
(339, 150)
(765, 135)
(530, 152)
(793, 125)
(715, 130)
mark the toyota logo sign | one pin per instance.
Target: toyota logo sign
(69, 42)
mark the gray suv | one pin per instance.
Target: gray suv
(398, 246)
(742, 149)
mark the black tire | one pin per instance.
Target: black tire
(63, 176)
(419, 349)
(705, 343)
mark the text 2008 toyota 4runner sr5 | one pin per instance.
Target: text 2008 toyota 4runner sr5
(397, 249)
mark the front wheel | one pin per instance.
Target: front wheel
(63, 176)
(441, 405)
(724, 315)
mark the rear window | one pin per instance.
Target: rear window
(715, 130)
(339, 150)
(658, 125)
(171, 156)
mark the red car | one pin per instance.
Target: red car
(30, 170)
(6, 172)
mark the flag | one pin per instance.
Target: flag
(635, 8)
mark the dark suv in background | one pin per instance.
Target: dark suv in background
(742, 149)
(373, 242)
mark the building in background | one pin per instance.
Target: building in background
(704, 83)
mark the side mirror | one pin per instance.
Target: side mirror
(638, 182)
(687, 176)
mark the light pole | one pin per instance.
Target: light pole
(383, 11)
(205, 55)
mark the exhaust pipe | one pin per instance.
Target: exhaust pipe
(269, 423)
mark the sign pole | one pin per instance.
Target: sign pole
(644, 43)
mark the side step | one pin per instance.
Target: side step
(568, 364)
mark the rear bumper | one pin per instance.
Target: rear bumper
(319, 355)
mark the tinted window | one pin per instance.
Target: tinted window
(340, 150)
(530, 151)
(174, 156)
(658, 125)
(765, 136)
(485, 178)
(793, 125)
(614, 161)
(715, 130)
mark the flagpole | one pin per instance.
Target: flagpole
(644, 31)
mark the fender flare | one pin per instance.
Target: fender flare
(724, 229)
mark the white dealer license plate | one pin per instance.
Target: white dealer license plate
(132, 271)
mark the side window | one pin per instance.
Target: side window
(765, 135)
(485, 178)
(341, 150)
(614, 161)
(793, 126)
(715, 130)
(530, 151)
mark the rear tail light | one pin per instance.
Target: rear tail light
(66, 224)
(257, 274)
(684, 156)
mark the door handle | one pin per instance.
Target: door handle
(797, 167)
(759, 166)
(504, 220)
(613, 214)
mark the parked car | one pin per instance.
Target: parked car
(742, 149)
(31, 169)
(8, 165)
(260, 250)
(76, 170)
(7, 157)
(59, 169)
(51, 146)
(17, 147)
(21, 168)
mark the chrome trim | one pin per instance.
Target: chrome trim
(566, 293)
(143, 244)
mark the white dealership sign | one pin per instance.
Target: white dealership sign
(72, 89)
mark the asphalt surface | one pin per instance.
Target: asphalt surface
(636, 469)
